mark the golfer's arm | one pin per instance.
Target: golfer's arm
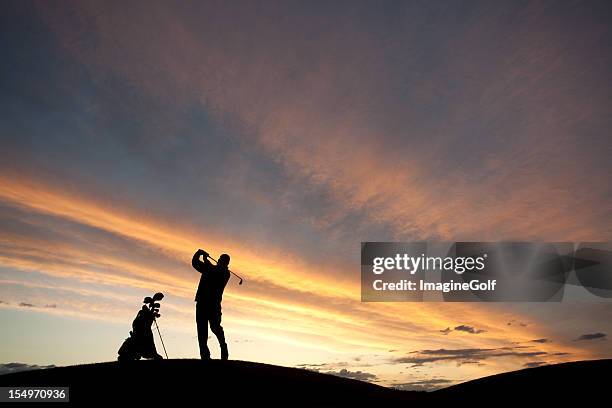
(197, 264)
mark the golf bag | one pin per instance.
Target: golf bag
(140, 344)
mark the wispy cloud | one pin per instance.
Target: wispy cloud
(517, 323)
(269, 292)
(592, 336)
(462, 328)
(345, 108)
(465, 356)
(354, 375)
(424, 385)
(27, 304)
(533, 364)
(313, 365)
(7, 368)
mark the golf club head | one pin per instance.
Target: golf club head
(157, 315)
(158, 296)
(147, 300)
(240, 283)
(156, 305)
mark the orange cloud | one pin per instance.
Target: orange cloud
(275, 296)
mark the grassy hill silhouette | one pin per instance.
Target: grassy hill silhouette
(241, 382)
(583, 381)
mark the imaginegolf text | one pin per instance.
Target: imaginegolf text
(408, 285)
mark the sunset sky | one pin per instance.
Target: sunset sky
(286, 133)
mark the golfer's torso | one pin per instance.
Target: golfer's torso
(211, 286)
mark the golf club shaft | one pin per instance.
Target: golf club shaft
(235, 274)
(161, 338)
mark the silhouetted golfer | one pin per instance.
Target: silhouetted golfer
(208, 300)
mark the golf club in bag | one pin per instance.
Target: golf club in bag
(140, 344)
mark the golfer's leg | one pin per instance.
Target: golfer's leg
(215, 327)
(202, 324)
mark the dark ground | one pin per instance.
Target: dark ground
(241, 383)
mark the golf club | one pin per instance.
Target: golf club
(155, 309)
(160, 337)
(236, 275)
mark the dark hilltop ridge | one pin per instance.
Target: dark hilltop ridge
(207, 383)
(579, 381)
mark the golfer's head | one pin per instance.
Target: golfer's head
(224, 260)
